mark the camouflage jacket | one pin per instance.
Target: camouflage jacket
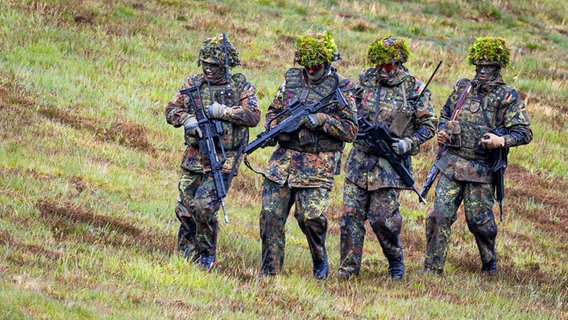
(382, 103)
(485, 108)
(244, 113)
(310, 158)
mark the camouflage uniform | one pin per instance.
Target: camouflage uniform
(198, 204)
(302, 167)
(465, 166)
(372, 187)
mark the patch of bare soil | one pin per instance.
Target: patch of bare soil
(551, 215)
(127, 134)
(73, 223)
(21, 252)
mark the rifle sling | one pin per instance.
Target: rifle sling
(461, 101)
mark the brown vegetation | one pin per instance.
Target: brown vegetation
(65, 221)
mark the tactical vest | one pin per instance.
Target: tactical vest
(380, 104)
(480, 113)
(233, 135)
(305, 140)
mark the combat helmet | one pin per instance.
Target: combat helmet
(314, 49)
(489, 51)
(213, 52)
(387, 49)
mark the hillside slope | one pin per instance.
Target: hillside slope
(88, 165)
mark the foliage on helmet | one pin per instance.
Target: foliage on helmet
(314, 49)
(489, 50)
(213, 52)
(385, 50)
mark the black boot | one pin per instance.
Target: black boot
(321, 268)
(206, 262)
(489, 267)
(396, 268)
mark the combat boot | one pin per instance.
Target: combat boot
(489, 267)
(344, 274)
(321, 267)
(396, 268)
(206, 262)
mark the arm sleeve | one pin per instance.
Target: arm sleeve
(245, 112)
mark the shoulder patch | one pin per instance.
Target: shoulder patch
(344, 83)
(511, 97)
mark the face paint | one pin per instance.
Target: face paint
(388, 70)
(487, 73)
(315, 73)
(214, 73)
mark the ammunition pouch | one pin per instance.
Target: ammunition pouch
(454, 130)
(400, 123)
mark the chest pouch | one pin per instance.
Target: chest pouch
(401, 122)
(402, 117)
(454, 130)
(225, 96)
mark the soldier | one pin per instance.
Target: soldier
(231, 100)
(388, 94)
(303, 165)
(474, 110)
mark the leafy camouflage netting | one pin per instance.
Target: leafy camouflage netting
(385, 50)
(314, 49)
(214, 52)
(489, 50)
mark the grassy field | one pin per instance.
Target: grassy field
(89, 167)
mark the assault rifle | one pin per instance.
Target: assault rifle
(433, 173)
(296, 111)
(212, 131)
(380, 139)
(499, 164)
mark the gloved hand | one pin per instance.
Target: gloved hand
(216, 110)
(492, 141)
(443, 137)
(192, 127)
(270, 142)
(313, 120)
(402, 146)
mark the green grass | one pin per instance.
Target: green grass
(89, 167)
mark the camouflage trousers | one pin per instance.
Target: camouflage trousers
(197, 211)
(478, 203)
(277, 201)
(380, 207)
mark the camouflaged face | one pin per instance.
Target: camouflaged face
(213, 51)
(315, 49)
(387, 50)
(489, 51)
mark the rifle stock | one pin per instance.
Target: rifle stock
(296, 111)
